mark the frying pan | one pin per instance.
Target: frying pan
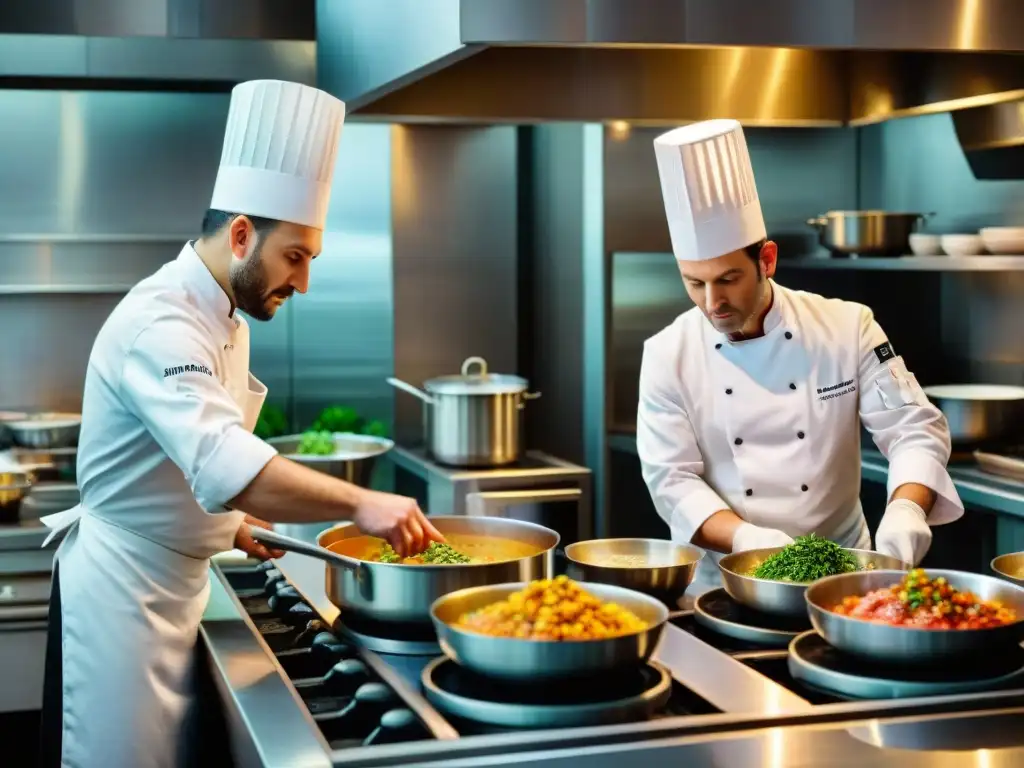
(909, 645)
(396, 593)
(525, 660)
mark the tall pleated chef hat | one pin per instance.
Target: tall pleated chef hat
(707, 184)
(279, 150)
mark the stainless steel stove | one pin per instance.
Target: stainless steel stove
(539, 488)
(364, 689)
(301, 685)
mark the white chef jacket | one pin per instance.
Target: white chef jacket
(769, 427)
(166, 442)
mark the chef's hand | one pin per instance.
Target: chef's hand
(750, 536)
(245, 542)
(904, 532)
(397, 519)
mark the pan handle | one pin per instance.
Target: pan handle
(288, 544)
(414, 391)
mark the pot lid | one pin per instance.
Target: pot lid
(476, 382)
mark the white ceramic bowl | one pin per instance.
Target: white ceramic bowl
(962, 245)
(1003, 240)
(925, 245)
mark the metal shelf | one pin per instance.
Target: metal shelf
(67, 290)
(984, 263)
(911, 263)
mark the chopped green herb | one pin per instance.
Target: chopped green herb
(807, 559)
(315, 443)
(436, 554)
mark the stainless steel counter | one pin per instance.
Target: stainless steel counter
(763, 725)
(976, 487)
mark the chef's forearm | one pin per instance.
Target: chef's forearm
(921, 495)
(287, 492)
(717, 531)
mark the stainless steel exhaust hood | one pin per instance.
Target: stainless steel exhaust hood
(665, 62)
(154, 44)
(993, 139)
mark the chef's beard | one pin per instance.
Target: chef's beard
(249, 285)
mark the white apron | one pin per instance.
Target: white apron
(131, 610)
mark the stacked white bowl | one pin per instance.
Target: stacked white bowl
(1005, 241)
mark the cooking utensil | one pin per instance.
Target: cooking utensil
(353, 459)
(907, 645)
(473, 419)
(783, 598)
(46, 430)
(866, 233)
(664, 569)
(14, 486)
(393, 592)
(524, 660)
(1010, 567)
(980, 413)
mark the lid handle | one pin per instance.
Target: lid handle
(469, 362)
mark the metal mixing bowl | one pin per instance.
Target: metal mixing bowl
(784, 598)
(908, 645)
(14, 486)
(353, 460)
(666, 569)
(6, 438)
(47, 430)
(524, 660)
(1010, 567)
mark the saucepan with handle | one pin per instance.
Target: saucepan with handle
(402, 594)
(473, 419)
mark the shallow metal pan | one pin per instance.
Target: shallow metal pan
(524, 660)
(907, 645)
(670, 568)
(784, 598)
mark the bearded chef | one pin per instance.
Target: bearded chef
(167, 457)
(748, 427)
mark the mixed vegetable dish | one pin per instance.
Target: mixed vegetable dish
(807, 559)
(552, 609)
(923, 603)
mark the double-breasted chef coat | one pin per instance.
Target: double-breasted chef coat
(769, 427)
(166, 441)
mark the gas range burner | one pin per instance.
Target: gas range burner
(816, 663)
(717, 611)
(349, 701)
(635, 694)
(398, 639)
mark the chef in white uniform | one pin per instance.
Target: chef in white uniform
(748, 426)
(167, 457)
